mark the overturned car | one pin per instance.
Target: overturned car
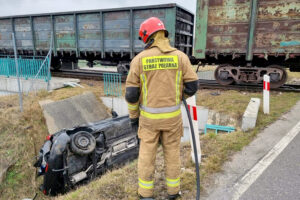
(74, 156)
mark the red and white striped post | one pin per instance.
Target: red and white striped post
(266, 94)
(193, 110)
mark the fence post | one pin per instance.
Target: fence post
(266, 94)
(17, 71)
(193, 110)
(49, 63)
(7, 66)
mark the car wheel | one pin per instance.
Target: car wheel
(83, 143)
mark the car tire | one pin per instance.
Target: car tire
(83, 143)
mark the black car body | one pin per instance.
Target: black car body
(74, 156)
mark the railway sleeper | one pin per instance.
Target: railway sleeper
(228, 74)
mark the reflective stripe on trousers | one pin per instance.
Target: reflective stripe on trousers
(146, 184)
(160, 110)
(173, 182)
(160, 113)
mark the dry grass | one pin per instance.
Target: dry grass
(234, 102)
(293, 77)
(216, 149)
(21, 136)
(293, 74)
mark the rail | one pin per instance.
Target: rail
(212, 84)
(202, 83)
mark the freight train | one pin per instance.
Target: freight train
(246, 38)
(109, 36)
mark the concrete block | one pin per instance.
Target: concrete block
(250, 114)
(202, 114)
(3, 84)
(207, 75)
(74, 111)
(11, 84)
(119, 104)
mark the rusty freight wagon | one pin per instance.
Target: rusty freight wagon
(249, 38)
(109, 36)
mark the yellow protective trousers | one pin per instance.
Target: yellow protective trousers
(150, 132)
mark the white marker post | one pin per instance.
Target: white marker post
(266, 94)
(193, 110)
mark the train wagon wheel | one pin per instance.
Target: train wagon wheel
(277, 84)
(222, 75)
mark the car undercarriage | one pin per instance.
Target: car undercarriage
(75, 156)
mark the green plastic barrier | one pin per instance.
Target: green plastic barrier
(112, 84)
(28, 67)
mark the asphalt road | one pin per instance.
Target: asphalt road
(281, 180)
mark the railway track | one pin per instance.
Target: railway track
(212, 84)
(203, 84)
(83, 74)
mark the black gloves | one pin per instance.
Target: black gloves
(134, 123)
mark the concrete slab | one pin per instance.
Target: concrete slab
(11, 84)
(105, 68)
(74, 111)
(119, 104)
(202, 114)
(4, 93)
(207, 75)
(250, 114)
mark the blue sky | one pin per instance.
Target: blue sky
(21, 7)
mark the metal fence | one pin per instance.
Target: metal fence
(112, 84)
(24, 67)
(28, 67)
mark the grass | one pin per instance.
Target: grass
(293, 77)
(216, 149)
(21, 136)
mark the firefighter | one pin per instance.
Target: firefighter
(158, 78)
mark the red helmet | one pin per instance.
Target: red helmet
(150, 26)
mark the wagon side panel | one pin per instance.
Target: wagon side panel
(278, 27)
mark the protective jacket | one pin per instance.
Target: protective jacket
(156, 80)
(155, 84)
